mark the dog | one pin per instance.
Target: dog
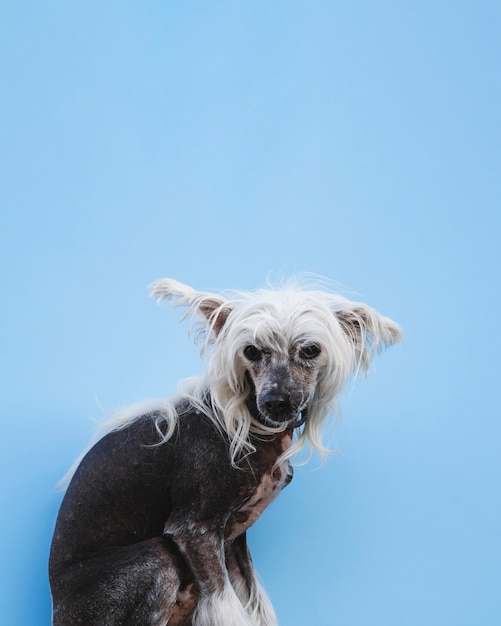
(152, 528)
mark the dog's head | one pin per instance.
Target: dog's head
(280, 357)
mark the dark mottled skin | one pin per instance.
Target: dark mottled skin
(144, 529)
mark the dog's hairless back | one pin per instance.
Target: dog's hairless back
(130, 494)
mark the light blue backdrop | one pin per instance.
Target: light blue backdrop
(215, 142)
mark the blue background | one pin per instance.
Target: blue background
(215, 142)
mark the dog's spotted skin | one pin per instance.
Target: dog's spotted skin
(158, 521)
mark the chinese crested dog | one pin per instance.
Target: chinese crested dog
(152, 528)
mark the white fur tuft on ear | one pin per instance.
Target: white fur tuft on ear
(213, 308)
(369, 331)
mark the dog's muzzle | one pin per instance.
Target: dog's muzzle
(276, 410)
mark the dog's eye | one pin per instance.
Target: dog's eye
(252, 353)
(309, 352)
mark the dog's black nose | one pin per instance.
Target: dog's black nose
(276, 403)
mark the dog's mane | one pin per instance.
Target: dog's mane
(299, 310)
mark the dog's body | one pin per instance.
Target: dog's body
(152, 529)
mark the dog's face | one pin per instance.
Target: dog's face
(275, 350)
(281, 382)
(285, 354)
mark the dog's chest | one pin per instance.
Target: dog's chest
(270, 485)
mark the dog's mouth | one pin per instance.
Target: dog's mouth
(289, 423)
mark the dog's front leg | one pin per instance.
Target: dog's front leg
(202, 547)
(246, 584)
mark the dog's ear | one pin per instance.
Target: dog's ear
(215, 309)
(367, 330)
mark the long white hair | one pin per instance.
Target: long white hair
(348, 333)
